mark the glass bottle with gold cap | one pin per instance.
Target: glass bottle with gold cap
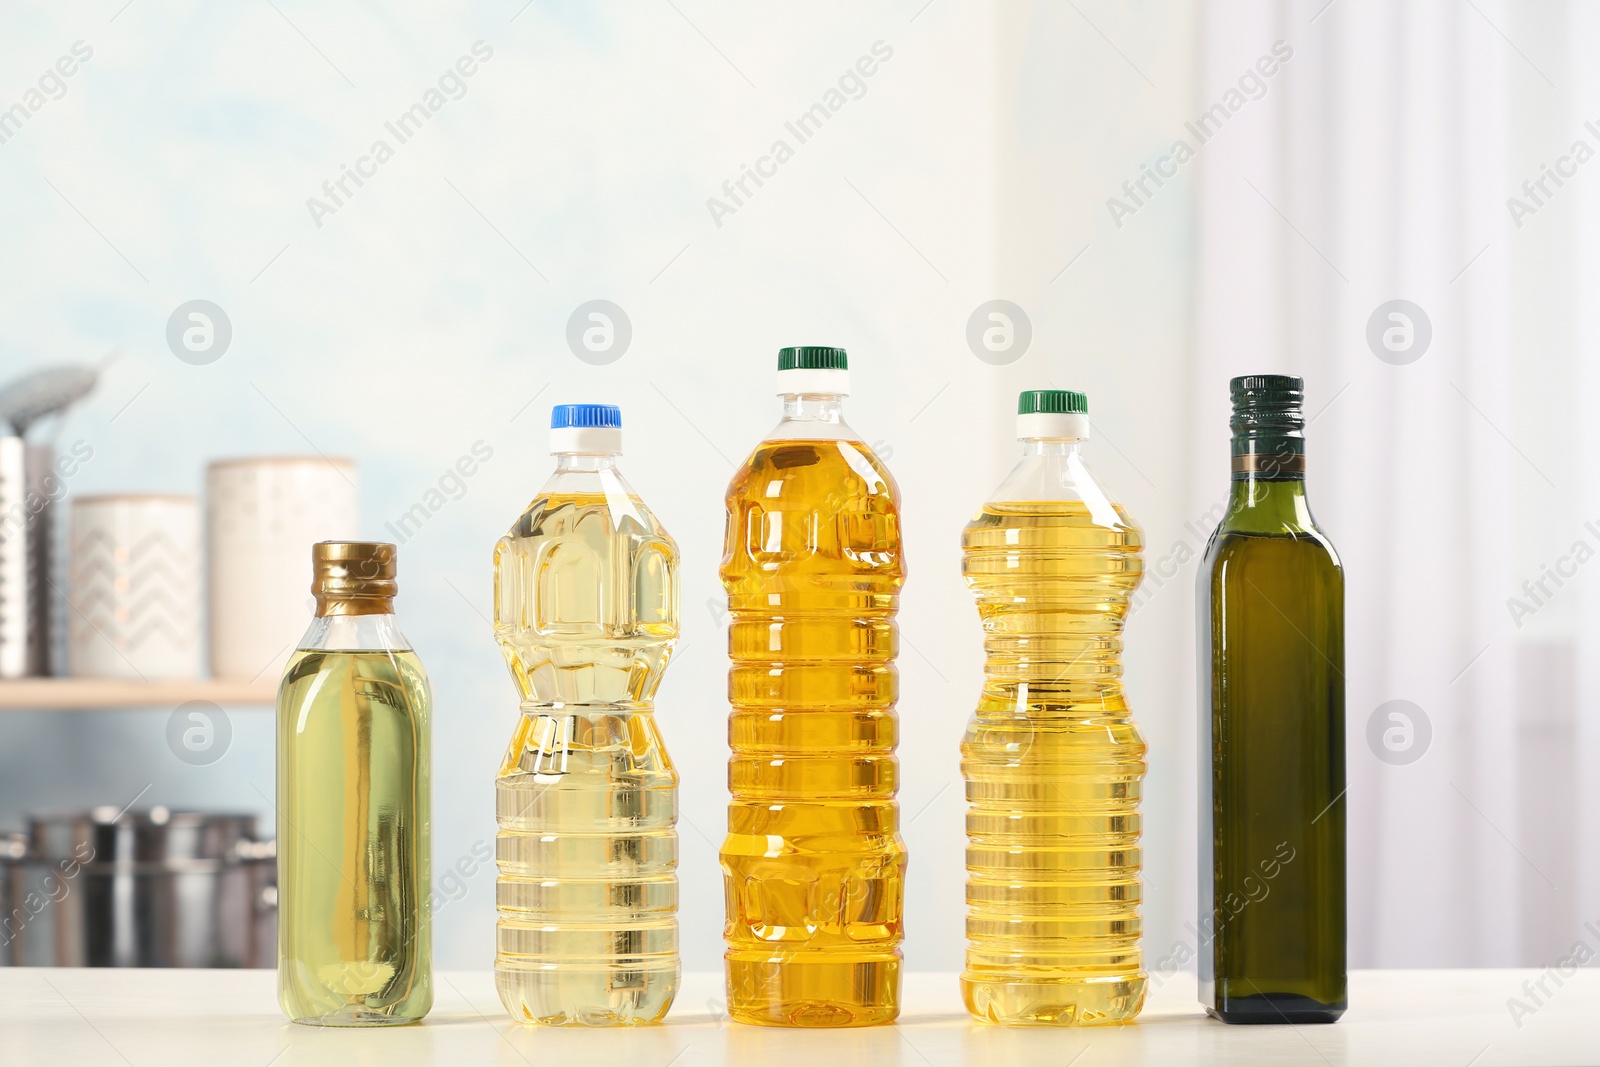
(354, 710)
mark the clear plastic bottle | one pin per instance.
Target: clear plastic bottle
(1052, 760)
(586, 613)
(813, 862)
(354, 710)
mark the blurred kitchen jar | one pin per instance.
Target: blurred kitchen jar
(262, 516)
(14, 619)
(142, 889)
(48, 473)
(134, 587)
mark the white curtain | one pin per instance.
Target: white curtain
(1376, 167)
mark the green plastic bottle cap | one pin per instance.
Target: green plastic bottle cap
(1052, 402)
(813, 370)
(812, 357)
(1052, 414)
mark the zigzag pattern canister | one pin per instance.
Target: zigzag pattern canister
(134, 587)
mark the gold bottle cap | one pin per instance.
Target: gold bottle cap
(353, 577)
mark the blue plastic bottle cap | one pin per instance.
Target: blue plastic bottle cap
(602, 415)
(594, 429)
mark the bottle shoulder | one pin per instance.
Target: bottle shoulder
(806, 512)
(355, 633)
(1056, 482)
(1272, 509)
(1006, 540)
(315, 681)
(561, 513)
(576, 494)
(1012, 514)
(812, 473)
(1301, 548)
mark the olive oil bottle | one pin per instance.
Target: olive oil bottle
(354, 940)
(1272, 775)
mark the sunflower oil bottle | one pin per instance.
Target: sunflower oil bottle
(586, 613)
(354, 711)
(813, 862)
(1052, 759)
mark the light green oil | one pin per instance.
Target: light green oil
(354, 945)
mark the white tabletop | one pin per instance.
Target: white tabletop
(168, 1018)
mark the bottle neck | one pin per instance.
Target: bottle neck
(586, 474)
(1051, 470)
(1269, 457)
(813, 407)
(812, 417)
(1268, 505)
(1269, 473)
(1269, 441)
(585, 462)
(356, 633)
(331, 605)
(1051, 446)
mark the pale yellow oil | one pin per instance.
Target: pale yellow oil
(586, 613)
(1053, 765)
(813, 863)
(354, 944)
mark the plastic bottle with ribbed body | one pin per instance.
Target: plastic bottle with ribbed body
(586, 613)
(813, 863)
(1052, 759)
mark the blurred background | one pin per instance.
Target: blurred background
(1390, 199)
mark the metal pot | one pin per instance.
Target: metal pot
(12, 848)
(140, 889)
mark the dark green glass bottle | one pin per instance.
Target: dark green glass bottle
(1272, 811)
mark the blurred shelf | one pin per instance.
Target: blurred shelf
(74, 694)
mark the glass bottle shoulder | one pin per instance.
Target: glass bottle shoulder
(1226, 542)
(1293, 563)
(1276, 513)
(322, 685)
(355, 633)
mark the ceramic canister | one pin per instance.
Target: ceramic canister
(263, 514)
(134, 587)
(13, 559)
